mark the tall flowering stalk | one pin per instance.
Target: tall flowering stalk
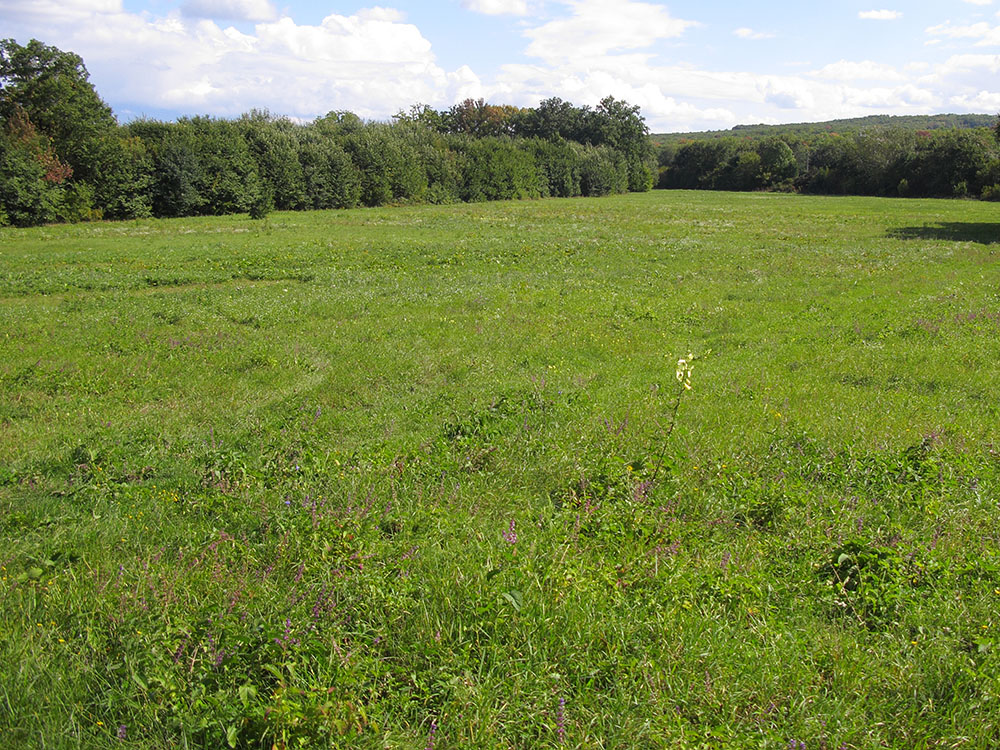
(685, 366)
(510, 536)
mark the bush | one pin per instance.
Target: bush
(557, 166)
(602, 172)
(389, 167)
(330, 177)
(261, 206)
(26, 196)
(76, 203)
(275, 150)
(991, 193)
(496, 169)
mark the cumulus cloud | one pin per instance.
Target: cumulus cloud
(374, 62)
(371, 62)
(683, 97)
(880, 15)
(595, 28)
(236, 10)
(497, 7)
(846, 70)
(982, 101)
(985, 34)
(958, 65)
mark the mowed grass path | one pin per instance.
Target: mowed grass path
(390, 477)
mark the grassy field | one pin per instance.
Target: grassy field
(425, 477)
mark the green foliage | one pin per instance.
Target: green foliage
(497, 169)
(558, 167)
(389, 166)
(177, 170)
(26, 196)
(199, 165)
(331, 180)
(52, 88)
(123, 177)
(603, 171)
(275, 150)
(480, 120)
(849, 126)
(777, 161)
(439, 161)
(262, 205)
(77, 203)
(991, 193)
(553, 120)
(938, 165)
(941, 163)
(227, 180)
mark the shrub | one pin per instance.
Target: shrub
(991, 193)
(602, 172)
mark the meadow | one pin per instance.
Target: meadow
(427, 477)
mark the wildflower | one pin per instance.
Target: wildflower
(510, 536)
(685, 366)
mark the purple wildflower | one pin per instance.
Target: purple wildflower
(510, 536)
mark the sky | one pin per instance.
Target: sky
(688, 64)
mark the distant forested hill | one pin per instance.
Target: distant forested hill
(853, 125)
(946, 156)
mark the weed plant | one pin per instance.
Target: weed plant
(429, 477)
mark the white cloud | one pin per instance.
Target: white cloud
(845, 70)
(880, 15)
(978, 2)
(497, 7)
(986, 35)
(237, 10)
(371, 62)
(747, 33)
(983, 101)
(965, 64)
(650, 88)
(595, 28)
(374, 62)
(56, 9)
(681, 98)
(378, 13)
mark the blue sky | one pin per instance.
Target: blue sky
(689, 65)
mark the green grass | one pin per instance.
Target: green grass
(258, 479)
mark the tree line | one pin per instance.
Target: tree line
(64, 156)
(879, 161)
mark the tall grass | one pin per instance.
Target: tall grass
(421, 477)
